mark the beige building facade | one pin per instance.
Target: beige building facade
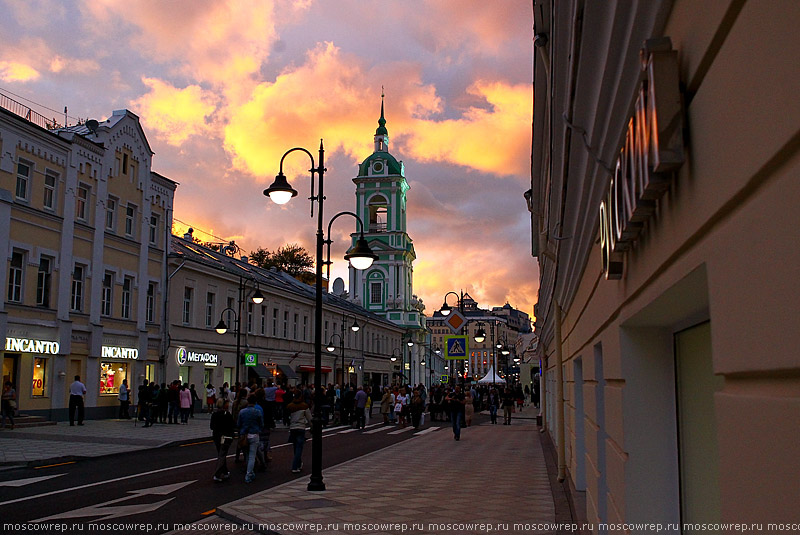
(208, 286)
(83, 223)
(665, 219)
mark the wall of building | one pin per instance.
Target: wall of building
(704, 307)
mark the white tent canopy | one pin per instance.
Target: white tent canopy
(492, 377)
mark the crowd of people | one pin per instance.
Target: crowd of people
(246, 413)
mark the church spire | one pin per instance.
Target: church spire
(381, 133)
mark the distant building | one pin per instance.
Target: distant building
(83, 230)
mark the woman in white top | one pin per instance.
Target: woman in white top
(211, 397)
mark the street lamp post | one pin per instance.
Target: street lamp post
(360, 257)
(257, 298)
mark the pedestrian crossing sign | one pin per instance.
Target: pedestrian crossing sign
(455, 347)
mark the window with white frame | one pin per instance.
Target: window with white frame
(150, 302)
(230, 318)
(375, 293)
(274, 322)
(111, 214)
(285, 324)
(78, 283)
(82, 202)
(23, 179)
(44, 281)
(50, 181)
(154, 229)
(15, 277)
(294, 327)
(130, 220)
(250, 307)
(127, 286)
(107, 294)
(187, 305)
(305, 328)
(210, 309)
(263, 320)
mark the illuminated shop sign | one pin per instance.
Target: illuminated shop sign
(113, 352)
(184, 356)
(652, 151)
(26, 345)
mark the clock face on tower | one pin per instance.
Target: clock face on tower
(377, 167)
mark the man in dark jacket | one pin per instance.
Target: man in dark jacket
(222, 429)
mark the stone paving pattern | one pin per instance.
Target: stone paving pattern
(495, 474)
(93, 438)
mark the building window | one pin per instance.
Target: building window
(150, 302)
(187, 306)
(50, 181)
(43, 281)
(294, 327)
(250, 307)
(285, 324)
(130, 220)
(154, 229)
(82, 203)
(23, 180)
(39, 377)
(274, 322)
(375, 293)
(305, 328)
(209, 309)
(263, 320)
(111, 214)
(111, 376)
(124, 164)
(15, 273)
(78, 279)
(107, 295)
(127, 284)
(325, 336)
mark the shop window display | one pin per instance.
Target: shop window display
(39, 377)
(111, 376)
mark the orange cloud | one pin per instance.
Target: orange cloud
(495, 139)
(175, 114)
(12, 71)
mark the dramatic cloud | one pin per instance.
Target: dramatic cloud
(224, 88)
(175, 114)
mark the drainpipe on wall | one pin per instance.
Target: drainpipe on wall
(562, 466)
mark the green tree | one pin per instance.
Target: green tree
(292, 259)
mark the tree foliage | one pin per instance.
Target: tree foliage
(292, 259)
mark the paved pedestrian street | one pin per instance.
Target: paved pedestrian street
(493, 480)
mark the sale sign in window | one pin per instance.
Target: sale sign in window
(39, 370)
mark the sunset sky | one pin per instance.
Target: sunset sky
(223, 89)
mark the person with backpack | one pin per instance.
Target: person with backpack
(250, 423)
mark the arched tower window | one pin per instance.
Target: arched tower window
(378, 213)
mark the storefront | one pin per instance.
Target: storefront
(200, 366)
(28, 363)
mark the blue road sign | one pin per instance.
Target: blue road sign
(456, 347)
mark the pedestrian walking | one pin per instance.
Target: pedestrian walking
(77, 390)
(494, 403)
(9, 404)
(361, 406)
(195, 399)
(239, 403)
(386, 405)
(300, 419)
(174, 401)
(185, 400)
(222, 430)
(417, 407)
(508, 406)
(211, 397)
(469, 407)
(124, 400)
(455, 402)
(250, 423)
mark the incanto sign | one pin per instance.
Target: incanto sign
(26, 345)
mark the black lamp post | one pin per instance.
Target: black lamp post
(257, 297)
(360, 257)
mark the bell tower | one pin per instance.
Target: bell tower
(386, 287)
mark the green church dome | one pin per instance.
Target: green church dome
(394, 167)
